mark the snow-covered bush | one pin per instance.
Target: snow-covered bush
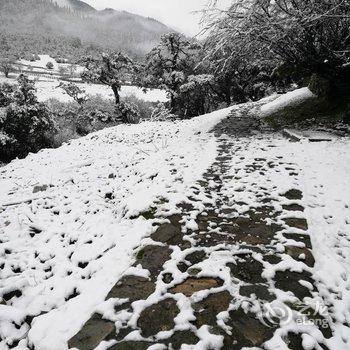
(6, 92)
(128, 112)
(145, 108)
(162, 113)
(74, 120)
(25, 125)
(24, 129)
(197, 96)
(73, 91)
(24, 92)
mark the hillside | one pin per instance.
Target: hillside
(74, 29)
(75, 5)
(238, 229)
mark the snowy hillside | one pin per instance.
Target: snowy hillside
(75, 5)
(48, 88)
(70, 219)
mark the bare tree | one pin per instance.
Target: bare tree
(74, 91)
(110, 70)
(314, 34)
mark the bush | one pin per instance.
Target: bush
(6, 94)
(73, 90)
(74, 120)
(197, 96)
(49, 65)
(24, 129)
(128, 112)
(162, 113)
(145, 108)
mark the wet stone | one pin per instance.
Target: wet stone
(152, 258)
(272, 259)
(210, 307)
(247, 330)
(213, 238)
(13, 294)
(158, 317)
(167, 278)
(193, 285)
(260, 291)
(297, 252)
(192, 271)
(196, 257)
(293, 207)
(182, 266)
(42, 188)
(253, 230)
(248, 270)
(132, 288)
(293, 194)
(297, 223)
(167, 233)
(181, 338)
(93, 332)
(294, 341)
(289, 281)
(299, 238)
(131, 345)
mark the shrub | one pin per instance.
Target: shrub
(162, 113)
(6, 92)
(73, 91)
(74, 120)
(128, 112)
(24, 92)
(64, 116)
(145, 108)
(24, 129)
(49, 65)
(197, 95)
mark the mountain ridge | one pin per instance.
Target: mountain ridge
(75, 28)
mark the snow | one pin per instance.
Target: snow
(42, 62)
(288, 99)
(49, 89)
(63, 3)
(78, 236)
(323, 177)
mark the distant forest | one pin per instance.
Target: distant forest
(31, 27)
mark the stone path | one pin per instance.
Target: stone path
(231, 269)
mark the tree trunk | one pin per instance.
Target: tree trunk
(115, 88)
(228, 99)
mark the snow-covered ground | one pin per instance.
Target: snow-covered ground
(41, 65)
(289, 99)
(48, 88)
(78, 234)
(323, 170)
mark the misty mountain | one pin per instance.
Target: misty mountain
(75, 5)
(71, 27)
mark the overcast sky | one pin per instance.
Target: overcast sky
(175, 13)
